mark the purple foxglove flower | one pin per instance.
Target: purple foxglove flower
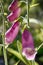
(14, 15)
(12, 32)
(13, 5)
(28, 49)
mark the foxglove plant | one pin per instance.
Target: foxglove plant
(28, 49)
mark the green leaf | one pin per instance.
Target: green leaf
(17, 54)
(36, 63)
(19, 46)
(34, 5)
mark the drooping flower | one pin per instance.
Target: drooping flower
(28, 49)
(13, 5)
(14, 15)
(12, 32)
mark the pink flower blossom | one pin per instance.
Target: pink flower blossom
(28, 49)
(12, 32)
(14, 15)
(13, 5)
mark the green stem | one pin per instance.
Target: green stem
(1, 45)
(33, 62)
(28, 11)
(28, 8)
(39, 46)
(4, 50)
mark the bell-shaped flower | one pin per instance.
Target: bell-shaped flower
(13, 5)
(28, 49)
(12, 32)
(14, 15)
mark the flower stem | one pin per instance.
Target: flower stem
(1, 45)
(40, 46)
(33, 62)
(28, 11)
(3, 36)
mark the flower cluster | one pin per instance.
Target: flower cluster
(28, 49)
(12, 32)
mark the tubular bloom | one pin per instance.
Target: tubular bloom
(13, 5)
(14, 15)
(28, 49)
(15, 11)
(11, 34)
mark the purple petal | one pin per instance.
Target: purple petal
(28, 45)
(27, 39)
(11, 34)
(13, 5)
(14, 15)
(29, 53)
